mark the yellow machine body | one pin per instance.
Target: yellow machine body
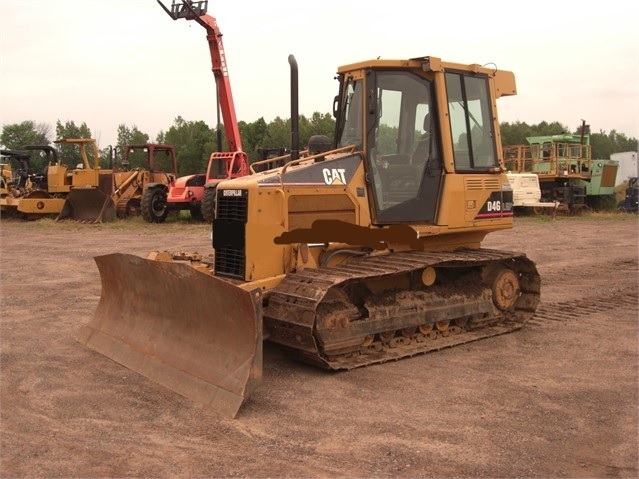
(366, 252)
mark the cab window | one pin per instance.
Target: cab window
(470, 116)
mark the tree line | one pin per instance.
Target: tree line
(195, 140)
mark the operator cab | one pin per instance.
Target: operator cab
(393, 116)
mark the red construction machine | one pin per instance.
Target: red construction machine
(196, 193)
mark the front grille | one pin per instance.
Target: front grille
(230, 262)
(229, 233)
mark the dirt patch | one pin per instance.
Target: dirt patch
(556, 399)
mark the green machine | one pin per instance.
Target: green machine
(567, 172)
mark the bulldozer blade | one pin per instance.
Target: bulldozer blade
(88, 205)
(185, 329)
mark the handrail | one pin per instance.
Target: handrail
(318, 155)
(564, 159)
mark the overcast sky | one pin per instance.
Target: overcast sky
(107, 62)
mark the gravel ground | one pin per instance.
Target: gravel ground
(555, 399)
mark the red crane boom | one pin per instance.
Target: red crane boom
(236, 160)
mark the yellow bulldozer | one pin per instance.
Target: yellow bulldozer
(366, 251)
(96, 194)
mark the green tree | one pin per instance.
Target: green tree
(194, 142)
(604, 144)
(516, 133)
(253, 135)
(70, 154)
(322, 124)
(107, 157)
(131, 136)
(16, 135)
(386, 139)
(70, 130)
(278, 134)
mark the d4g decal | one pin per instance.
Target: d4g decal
(498, 205)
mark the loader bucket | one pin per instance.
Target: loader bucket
(187, 330)
(88, 205)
